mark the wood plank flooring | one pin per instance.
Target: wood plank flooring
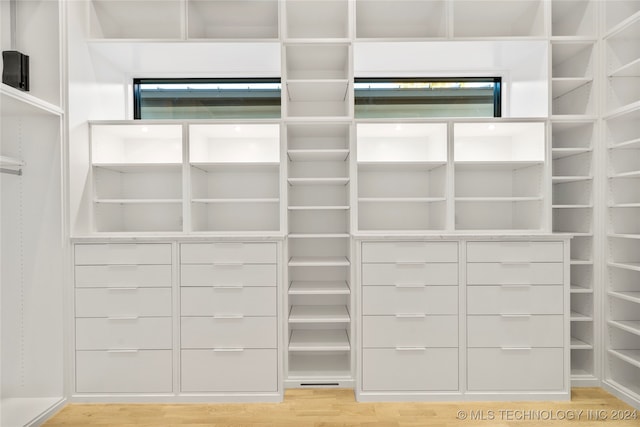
(338, 408)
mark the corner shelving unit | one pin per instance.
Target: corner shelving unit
(621, 135)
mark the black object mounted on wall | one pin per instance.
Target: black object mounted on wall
(15, 69)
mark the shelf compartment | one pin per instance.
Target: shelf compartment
(236, 216)
(581, 249)
(560, 153)
(619, 14)
(401, 215)
(498, 215)
(138, 217)
(630, 356)
(631, 326)
(235, 181)
(136, 144)
(624, 192)
(310, 19)
(318, 221)
(572, 60)
(579, 101)
(318, 155)
(579, 317)
(319, 314)
(318, 181)
(582, 363)
(401, 19)
(582, 278)
(622, 47)
(319, 208)
(623, 93)
(577, 344)
(632, 296)
(561, 86)
(624, 161)
(573, 135)
(578, 193)
(310, 248)
(319, 261)
(572, 221)
(315, 136)
(137, 182)
(412, 181)
(324, 196)
(336, 287)
(234, 143)
(498, 18)
(573, 18)
(508, 180)
(317, 61)
(629, 69)
(321, 366)
(625, 251)
(329, 91)
(402, 142)
(318, 169)
(225, 19)
(135, 19)
(623, 376)
(319, 340)
(499, 142)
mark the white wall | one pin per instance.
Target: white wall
(522, 65)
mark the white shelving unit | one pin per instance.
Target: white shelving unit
(404, 19)
(497, 19)
(232, 19)
(620, 136)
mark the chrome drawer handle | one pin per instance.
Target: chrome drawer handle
(411, 348)
(411, 316)
(228, 316)
(228, 264)
(516, 348)
(515, 316)
(123, 318)
(515, 286)
(410, 285)
(123, 351)
(515, 262)
(129, 288)
(227, 286)
(409, 263)
(228, 350)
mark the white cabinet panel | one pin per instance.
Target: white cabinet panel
(410, 369)
(236, 301)
(515, 369)
(149, 333)
(410, 274)
(103, 276)
(515, 299)
(243, 332)
(118, 302)
(393, 300)
(232, 275)
(515, 331)
(515, 251)
(407, 331)
(122, 253)
(517, 273)
(230, 370)
(144, 371)
(228, 252)
(410, 252)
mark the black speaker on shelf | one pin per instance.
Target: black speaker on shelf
(15, 69)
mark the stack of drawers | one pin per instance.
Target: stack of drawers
(409, 316)
(515, 322)
(123, 318)
(228, 317)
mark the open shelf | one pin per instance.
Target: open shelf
(495, 18)
(22, 411)
(318, 155)
(308, 366)
(232, 19)
(319, 314)
(631, 326)
(136, 144)
(629, 356)
(136, 19)
(577, 344)
(311, 61)
(326, 261)
(575, 289)
(579, 317)
(620, 14)
(319, 340)
(319, 181)
(319, 288)
(632, 296)
(401, 19)
(559, 153)
(311, 19)
(573, 18)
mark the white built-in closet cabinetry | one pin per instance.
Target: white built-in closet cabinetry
(33, 247)
(288, 235)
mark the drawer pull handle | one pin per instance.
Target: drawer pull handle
(123, 288)
(515, 286)
(411, 316)
(409, 263)
(515, 316)
(515, 348)
(515, 263)
(410, 285)
(123, 351)
(123, 318)
(228, 316)
(227, 264)
(227, 350)
(411, 348)
(227, 287)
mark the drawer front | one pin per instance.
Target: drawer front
(437, 274)
(230, 253)
(123, 302)
(229, 371)
(495, 369)
(515, 251)
(525, 273)
(392, 300)
(515, 331)
(392, 331)
(104, 276)
(434, 369)
(409, 252)
(231, 275)
(243, 332)
(228, 301)
(145, 333)
(122, 253)
(144, 371)
(515, 299)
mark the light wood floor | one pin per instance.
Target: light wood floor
(338, 408)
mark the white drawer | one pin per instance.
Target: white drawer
(143, 371)
(496, 369)
(392, 331)
(228, 252)
(392, 300)
(242, 332)
(515, 331)
(410, 369)
(144, 333)
(119, 302)
(122, 253)
(518, 273)
(231, 370)
(445, 274)
(515, 299)
(409, 252)
(523, 251)
(231, 274)
(104, 276)
(228, 301)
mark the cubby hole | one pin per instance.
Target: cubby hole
(582, 304)
(498, 18)
(622, 92)
(624, 191)
(317, 61)
(319, 364)
(136, 19)
(325, 136)
(568, 135)
(401, 19)
(320, 169)
(508, 180)
(625, 251)
(582, 334)
(573, 18)
(144, 183)
(232, 19)
(498, 215)
(624, 220)
(400, 215)
(138, 217)
(578, 101)
(624, 161)
(624, 130)
(318, 222)
(307, 19)
(572, 221)
(618, 11)
(576, 165)
(569, 60)
(397, 181)
(582, 362)
(319, 247)
(582, 277)
(229, 182)
(624, 374)
(576, 193)
(582, 248)
(623, 53)
(623, 281)
(322, 196)
(235, 217)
